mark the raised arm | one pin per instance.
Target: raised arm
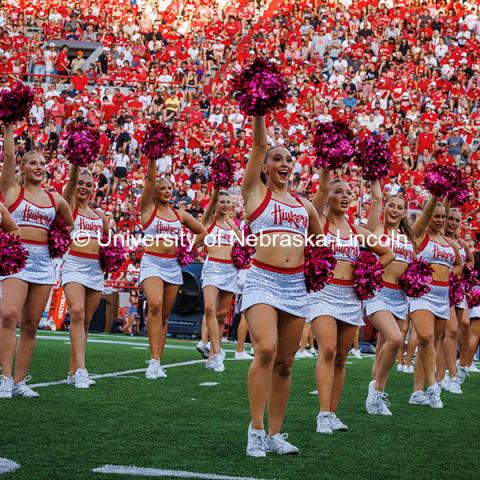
(252, 181)
(446, 204)
(457, 267)
(194, 226)
(421, 224)
(8, 184)
(470, 260)
(8, 224)
(385, 254)
(69, 190)
(146, 198)
(320, 199)
(374, 223)
(208, 215)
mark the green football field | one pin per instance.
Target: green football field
(178, 425)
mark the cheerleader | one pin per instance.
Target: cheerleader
(219, 275)
(458, 323)
(274, 296)
(26, 293)
(160, 272)
(430, 312)
(336, 311)
(474, 338)
(82, 275)
(388, 309)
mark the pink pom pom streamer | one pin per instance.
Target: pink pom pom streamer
(367, 275)
(81, 143)
(470, 278)
(242, 252)
(259, 88)
(112, 254)
(416, 281)
(185, 254)
(334, 145)
(15, 104)
(222, 171)
(13, 254)
(59, 238)
(320, 262)
(159, 138)
(374, 156)
(458, 195)
(439, 179)
(473, 298)
(456, 289)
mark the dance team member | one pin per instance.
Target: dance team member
(160, 272)
(336, 310)
(219, 274)
(430, 312)
(274, 297)
(458, 324)
(474, 314)
(25, 294)
(388, 309)
(82, 274)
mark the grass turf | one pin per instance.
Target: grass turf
(177, 424)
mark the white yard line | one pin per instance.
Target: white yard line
(117, 374)
(158, 472)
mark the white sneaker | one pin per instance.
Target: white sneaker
(307, 354)
(419, 398)
(377, 402)
(444, 384)
(313, 352)
(278, 444)
(23, 390)
(453, 386)
(202, 349)
(6, 387)
(337, 424)
(299, 355)
(324, 425)
(462, 374)
(71, 380)
(243, 356)
(252, 352)
(152, 370)
(218, 365)
(408, 369)
(256, 443)
(81, 378)
(433, 394)
(356, 353)
(473, 369)
(222, 354)
(161, 373)
(399, 367)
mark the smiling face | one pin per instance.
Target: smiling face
(33, 167)
(84, 186)
(339, 197)
(453, 222)
(437, 223)
(278, 166)
(163, 191)
(224, 204)
(394, 211)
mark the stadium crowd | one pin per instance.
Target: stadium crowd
(408, 71)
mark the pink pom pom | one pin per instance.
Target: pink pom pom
(242, 252)
(159, 138)
(13, 255)
(259, 88)
(15, 104)
(374, 156)
(334, 145)
(367, 275)
(470, 278)
(320, 262)
(185, 254)
(458, 194)
(59, 238)
(222, 171)
(81, 143)
(456, 289)
(439, 179)
(473, 298)
(416, 281)
(112, 254)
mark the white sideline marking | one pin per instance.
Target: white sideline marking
(314, 392)
(117, 374)
(139, 348)
(7, 466)
(158, 472)
(208, 384)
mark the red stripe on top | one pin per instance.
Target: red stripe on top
(211, 227)
(261, 207)
(52, 199)
(424, 243)
(17, 202)
(150, 220)
(177, 215)
(326, 230)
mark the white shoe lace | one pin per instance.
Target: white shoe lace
(258, 441)
(381, 400)
(4, 382)
(25, 380)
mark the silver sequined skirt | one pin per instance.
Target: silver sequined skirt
(462, 304)
(337, 301)
(436, 301)
(165, 267)
(388, 299)
(220, 274)
(83, 270)
(284, 291)
(39, 269)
